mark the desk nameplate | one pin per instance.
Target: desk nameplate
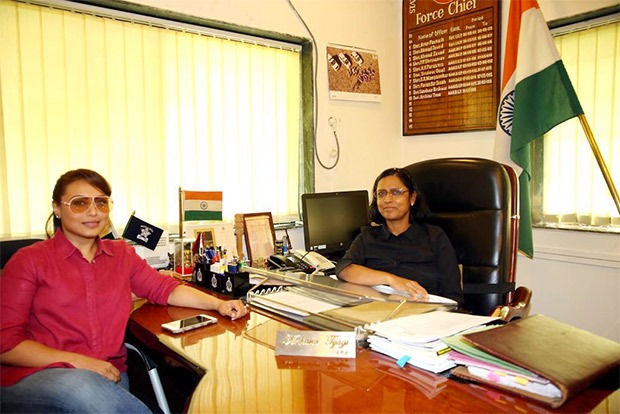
(332, 344)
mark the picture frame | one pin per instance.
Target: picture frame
(353, 73)
(259, 235)
(208, 236)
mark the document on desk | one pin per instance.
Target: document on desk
(292, 303)
(388, 290)
(431, 357)
(427, 327)
(417, 339)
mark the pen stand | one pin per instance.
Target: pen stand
(216, 282)
(230, 284)
(236, 284)
(201, 275)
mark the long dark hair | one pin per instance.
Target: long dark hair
(418, 212)
(91, 177)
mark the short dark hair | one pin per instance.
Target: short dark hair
(418, 212)
(81, 174)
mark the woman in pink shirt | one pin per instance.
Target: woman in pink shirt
(65, 303)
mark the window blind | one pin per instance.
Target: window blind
(573, 192)
(151, 108)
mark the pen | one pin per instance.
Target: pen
(400, 305)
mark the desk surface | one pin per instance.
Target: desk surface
(244, 375)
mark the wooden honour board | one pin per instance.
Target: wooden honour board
(451, 52)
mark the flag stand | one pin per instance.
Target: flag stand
(600, 160)
(180, 213)
(183, 249)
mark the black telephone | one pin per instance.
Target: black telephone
(278, 261)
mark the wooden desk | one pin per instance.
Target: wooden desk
(244, 375)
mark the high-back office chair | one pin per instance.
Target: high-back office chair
(9, 247)
(475, 201)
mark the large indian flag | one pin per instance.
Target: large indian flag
(536, 96)
(202, 205)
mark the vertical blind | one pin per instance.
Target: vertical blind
(150, 108)
(574, 191)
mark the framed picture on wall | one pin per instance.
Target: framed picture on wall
(353, 74)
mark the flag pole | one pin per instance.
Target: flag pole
(180, 213)
(600, 160)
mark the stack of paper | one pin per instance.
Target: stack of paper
(431, 356)
(416, 339)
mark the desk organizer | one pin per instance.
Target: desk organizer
(234, 284)
(202, 274)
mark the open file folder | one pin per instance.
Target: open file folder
(293, 304)
(329, 311)
(484, 365)
(327, 304)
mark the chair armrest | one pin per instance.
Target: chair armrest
(148, 361)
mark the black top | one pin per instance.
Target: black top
(422, 253)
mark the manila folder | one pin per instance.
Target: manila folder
(569, 357)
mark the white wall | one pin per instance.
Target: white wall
(575, 277)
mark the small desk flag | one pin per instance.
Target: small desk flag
(202, 205)
(142, 232)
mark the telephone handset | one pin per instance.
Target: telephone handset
(314, 259)
(290, 262)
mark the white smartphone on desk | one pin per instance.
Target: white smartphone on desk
(186, 324)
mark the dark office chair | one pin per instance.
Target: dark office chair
(475, 201)
(9, 247)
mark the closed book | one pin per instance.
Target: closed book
(569, 357)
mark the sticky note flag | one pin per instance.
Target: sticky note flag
(403, 360)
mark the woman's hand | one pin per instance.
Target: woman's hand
(190, 297)
(412, 287)
(235, 309)
(99, 366)
(29, 353)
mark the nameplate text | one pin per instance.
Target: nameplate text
(316, 343)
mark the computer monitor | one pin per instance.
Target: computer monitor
(333, 220)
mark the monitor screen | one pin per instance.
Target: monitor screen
(333, 220)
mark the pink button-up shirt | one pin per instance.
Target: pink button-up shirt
(50, 294)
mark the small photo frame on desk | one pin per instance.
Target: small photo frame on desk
(208, 235)
(216, 235)
(260, 237)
